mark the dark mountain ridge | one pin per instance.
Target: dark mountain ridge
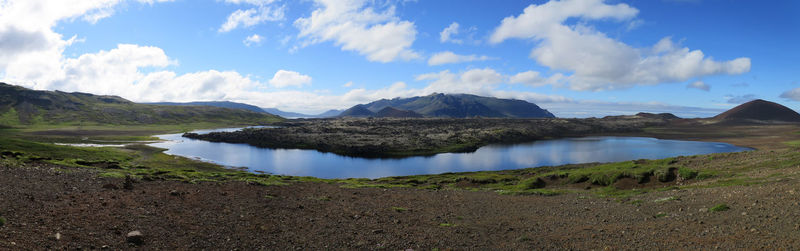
(391, 112)
(454, 106)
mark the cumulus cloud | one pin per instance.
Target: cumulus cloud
(598, 62)
(595, 108)
(534, 78)
(793, 94)
(448, 57)
(447, 34)
(284, 78)
(740, 99)
(700, 85)
(354, 25)
(253, 16)
(30, 51)
(479, 82)
(252, 40)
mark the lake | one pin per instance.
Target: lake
(488, 158)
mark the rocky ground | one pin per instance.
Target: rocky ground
(51, 207)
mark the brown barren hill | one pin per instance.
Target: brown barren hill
(759, 111)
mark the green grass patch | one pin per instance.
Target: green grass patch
(687, 173)
(2, 221)
(399, 209)
(793, 143)
(447, 225)
(719, 208)
(112, 175)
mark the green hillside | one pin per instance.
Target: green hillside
(22, 107)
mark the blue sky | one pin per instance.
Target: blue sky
(577, 58)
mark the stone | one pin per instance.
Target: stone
(135, 237)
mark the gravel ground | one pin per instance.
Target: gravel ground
(52, 207)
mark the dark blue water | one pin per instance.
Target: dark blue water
(492, 157)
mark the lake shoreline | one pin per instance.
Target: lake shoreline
(398, 138)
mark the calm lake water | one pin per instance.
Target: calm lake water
(492, 157)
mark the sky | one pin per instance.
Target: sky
(576, 58)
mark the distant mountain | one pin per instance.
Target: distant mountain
(330, 113)
(357, 111)
(284, 114)
(327, 114)
(454, 106)
(224, 104)
(666, 116)
(759, 111)
(391, 112)
(20, 106)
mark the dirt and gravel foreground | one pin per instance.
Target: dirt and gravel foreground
(51, 207)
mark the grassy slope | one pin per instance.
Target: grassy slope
(30, 109)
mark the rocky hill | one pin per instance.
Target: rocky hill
(454, 106)
(758, 111)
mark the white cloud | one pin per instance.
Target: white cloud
(793, 94)
(253, 2)
(448, 57)
(254, 39)
(739, 99)
(354, 25)
(479, 82)
(534, 78)
(348, 84)
(599, 62)
(284, 78)
(447, 34)
(700, 85)
(594, 108)
(30, 51)
(253, 16)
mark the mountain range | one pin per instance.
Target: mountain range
(449, 106)
(243, 106)
(22, 106)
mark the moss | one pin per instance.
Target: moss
(687, 173)
(793, 143)
(399, 209)
(112, 175)
(719, 208)
(532, 183)
(2, 221)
